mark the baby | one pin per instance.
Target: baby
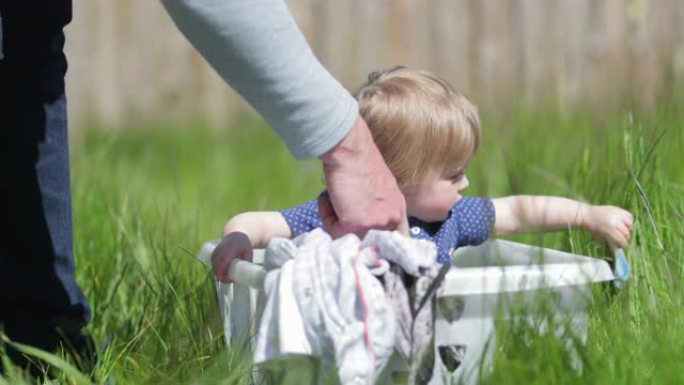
(427, 133)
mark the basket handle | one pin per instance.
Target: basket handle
(241, 271)
(247, 273)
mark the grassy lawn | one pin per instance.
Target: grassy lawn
(145, 198)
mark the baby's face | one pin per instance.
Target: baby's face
(431, 199)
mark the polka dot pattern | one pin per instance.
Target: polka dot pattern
(469, 223)
(303, 219)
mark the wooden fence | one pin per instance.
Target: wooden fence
(127, 60)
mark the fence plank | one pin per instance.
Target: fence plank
(452, 42)
(127, 59)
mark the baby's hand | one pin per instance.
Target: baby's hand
(233, 246)
(610, 223)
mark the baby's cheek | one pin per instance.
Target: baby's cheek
(444, 206)
(451, 202)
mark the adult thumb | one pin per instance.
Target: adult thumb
(404, 227)
(326, 211)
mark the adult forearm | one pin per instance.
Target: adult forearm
(256, 46)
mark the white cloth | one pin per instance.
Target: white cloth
(323, 300)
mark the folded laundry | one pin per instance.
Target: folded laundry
(413, 301)
(324, 299)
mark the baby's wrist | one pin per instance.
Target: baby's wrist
(584, 216)
(234, 227)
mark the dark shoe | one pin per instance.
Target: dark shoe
(64, 337)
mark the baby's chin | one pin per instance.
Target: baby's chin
(433, 217)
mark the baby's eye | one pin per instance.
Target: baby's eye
(457, 177)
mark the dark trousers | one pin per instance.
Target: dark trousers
(40, 301)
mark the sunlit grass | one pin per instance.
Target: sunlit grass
(145, 198)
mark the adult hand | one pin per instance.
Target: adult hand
(362, 192)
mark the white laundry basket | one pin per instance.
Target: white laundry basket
(484, 283)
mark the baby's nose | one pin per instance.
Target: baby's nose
(465, 183)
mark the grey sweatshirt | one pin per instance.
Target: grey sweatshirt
(257, 47)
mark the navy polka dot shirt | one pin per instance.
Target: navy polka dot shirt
(469, 223)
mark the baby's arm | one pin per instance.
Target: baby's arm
(521, 213)
(243, 233)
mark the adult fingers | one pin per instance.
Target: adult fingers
(326, 211)
(404, 227)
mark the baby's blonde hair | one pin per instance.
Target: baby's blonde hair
(419, 122)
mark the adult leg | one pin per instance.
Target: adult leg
(40, 302)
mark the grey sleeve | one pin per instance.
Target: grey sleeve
(257, 47)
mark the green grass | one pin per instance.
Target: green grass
(145, 198)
